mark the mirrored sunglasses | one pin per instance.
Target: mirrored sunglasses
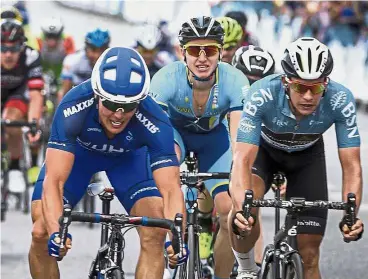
(114, 107)
(300, 87)
(196, 50)
(12, 49)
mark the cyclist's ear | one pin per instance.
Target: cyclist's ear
(284, 83)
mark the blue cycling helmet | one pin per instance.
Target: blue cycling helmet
(120, 75)
(97, 38)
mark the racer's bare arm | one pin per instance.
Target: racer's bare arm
(168, 183)
(35, 104)
(351, 172)
(66, 85)
(58, 166)
(241, 174)
(235, 117)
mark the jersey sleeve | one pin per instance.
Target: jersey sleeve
(158, 135)
(68, 67)
(69, 45)
(161, 148)
(33, 62)
(162, 87)
(67, 125)
(343, 105)
(249, 130)
(240, 89)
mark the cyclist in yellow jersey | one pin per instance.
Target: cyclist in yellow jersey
(233, 36)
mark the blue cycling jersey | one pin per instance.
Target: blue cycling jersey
(267, 113)
(76, 122)
(171, 89)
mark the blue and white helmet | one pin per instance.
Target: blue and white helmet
(120, 75)
(97, 38)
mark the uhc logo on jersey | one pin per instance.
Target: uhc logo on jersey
(78, 107)
(146, 122)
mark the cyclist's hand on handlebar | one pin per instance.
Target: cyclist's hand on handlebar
(33, 139)
(353, 234)
(54, 245)
(174, 259)
(242, 226)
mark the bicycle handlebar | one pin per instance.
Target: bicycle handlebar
(121, 219)
(301, 203)
(31, 125)
(192, 177)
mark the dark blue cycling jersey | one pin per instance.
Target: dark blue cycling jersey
(76, 122)
(267, 113)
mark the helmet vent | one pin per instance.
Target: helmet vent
(299, 61)
(110, 74)
(310, 60)
(112, 58)
(319, 61)
(135, 77)
(135, 61)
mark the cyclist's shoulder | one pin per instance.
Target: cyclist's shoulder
(271, 83)
(176, 68)
(31, 56)
(153, 112)
(78, 94)
(337, 96)
(230, 74)
(75, 58)
(164, 58)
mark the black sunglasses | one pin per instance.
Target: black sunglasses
(114, 107)
(12, 49)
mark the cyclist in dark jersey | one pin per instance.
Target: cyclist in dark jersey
(21, 85)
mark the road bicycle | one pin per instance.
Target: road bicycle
(281, 259)
(195, 267)
(25, 164)
(108, 261)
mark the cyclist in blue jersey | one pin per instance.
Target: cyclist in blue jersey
(77, 67)
(284, 118)
(108, 123)
(197, 95)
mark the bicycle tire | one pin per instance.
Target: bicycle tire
(4, 195)
(25, 194)
(192, 256)
(115, 274)
(294, 267)
(268, 271)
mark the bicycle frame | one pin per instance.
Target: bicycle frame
(101, 258)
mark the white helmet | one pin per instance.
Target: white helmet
(150, 37)
(307, 58)
(52, 27)
(120, 75)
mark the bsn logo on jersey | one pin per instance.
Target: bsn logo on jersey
(349, 112)
(146, 122)
(266, 96)
(78, 107)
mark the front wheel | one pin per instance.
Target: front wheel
(294, 267)
(268, 271)
(115, 274)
